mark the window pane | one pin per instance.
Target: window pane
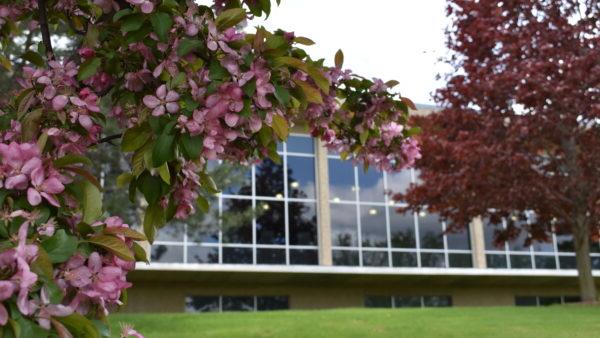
(489, 231)
(404, 259)
(460, 260)
(197, 254)
(301, 177)
(520, 262)
(237, 256)
(270, 256)
(166, 254)
(399, 182)
(344, 228)
(341, 180)
(545, 262)
(543, 246)
(375, 258)
(402, 230)
(378, 301)
(304, 257)
(371, 186)
(437, 301)
(567, 262)
(204, 227)
(518, 244)
(545, 301)
(272, 303)
(241, 303)
(496, 261)
(302, 223)
(270, 222)
(459, 240)
(269, 179)
(300, 144)
(237, 179)
(237, 221)
(433, 260)
(407, 301)
(526, 301)
(373, 226)
(430, 232)
(565, 243)
(172, 232)
(572, 299)
(201, 304)
(345, 257)
(596, 263)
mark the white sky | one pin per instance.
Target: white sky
(389, 39)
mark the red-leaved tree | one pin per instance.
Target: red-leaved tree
(519, 129)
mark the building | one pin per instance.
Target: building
(325, 234)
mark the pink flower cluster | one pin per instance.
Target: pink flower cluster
(186, 190)
(97, 280)
(22, 168)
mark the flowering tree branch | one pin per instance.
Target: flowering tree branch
(43, 18)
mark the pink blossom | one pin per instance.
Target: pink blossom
(146, 6)
(137, 80)
(45, 187)
(128, 331)
(162, 100)
(47, 310)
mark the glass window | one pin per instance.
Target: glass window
(518, 244)
(572, 299)
(565, 243)
(496, 261)
(459, 240)
(238, 303)
(345, 257)
(270, 256)
(371, 188)
(399, 182)
(402, 230)
(344, 226)
(526, 301)
(373, 226)
(304, 257)
(404, 259)
(302, 223)
(407, 301)
(237, 255)
(490, 231)
(375, 258)
(204, 255)
(237, 221)
(300, 144)
(204, 227)
(201, 304)
(437, 301)
(433, 260)
(235, 179)
(520, 261)
(430, 232)
(460, 260)
(543, 246)
(166, 254)
(567, 262)
(545, 301)
(270, 222)
(172, 232)
(269, 179)
(301, 177)
(545, 262)
(272, 303)
(341, 180)
(378, 301)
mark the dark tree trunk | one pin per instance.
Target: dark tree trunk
(581, 239)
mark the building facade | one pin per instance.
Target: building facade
(315, 232)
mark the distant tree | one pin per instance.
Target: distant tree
(519, 131)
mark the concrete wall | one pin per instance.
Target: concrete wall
(170, 297)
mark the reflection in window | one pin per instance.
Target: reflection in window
(375, 258)
(430, 232)
(269, 179)
(520, 261)
(404, 259)
(302, 223)
(270, 223)
(433, 260)
(237, 255)
(202, 304)
(270, 256)
(304, 257)
(344, 226)
(407, 301)
(341, 180)
(402, 230)
(272, 303)
(345, 257)
(399, 182)
(166, 254)
(378, 301)
(301, 177)
(203, 255)
(371, 188)
(237, 303)
(237, 221)
(373, 226)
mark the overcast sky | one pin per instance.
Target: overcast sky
(389, 39)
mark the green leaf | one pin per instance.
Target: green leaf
(186, 46)
(5, 62)
(42, 264)
(311, 93)
(34, 58)
(114, 245)
(29, 328)
(92, 202)
(364, 136)
(150, 186)
(118, 15)
(320, 79)
(139, 253)
(281, 127)
(392, 83)
(164, 150)
(339, 59)
(163, 172)
(88, 68)
(127, 232)
(291, 62)
(60, 247)
(134, 138)
(282, 95)
(71, 159)
(79, 326)
(124, 179)
(161, 22)
(191, 146)
(304, 41)
(203, 204)
(30, 126)
(132, 22)
(153, 218)
(216, 71)
(208, 183)
(230, 18)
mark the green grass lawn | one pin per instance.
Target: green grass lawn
(513, 322)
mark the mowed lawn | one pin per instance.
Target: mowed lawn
(513, 322)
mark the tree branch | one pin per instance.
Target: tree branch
(45, 30)
(109, 138)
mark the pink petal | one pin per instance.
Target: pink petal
(147, 7)
(232, 119)
(86, 121)
(77, 101)
(172, 107)
(3, 315)
(37, 176)
(59, 310)
(51, 199)
(31, 165)
(18, 182)
(151, 101)
(161, 92)
(158, 111)
(53, 185)
(172, 96)
(6, 290)
(59, 102)
(33, 197)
